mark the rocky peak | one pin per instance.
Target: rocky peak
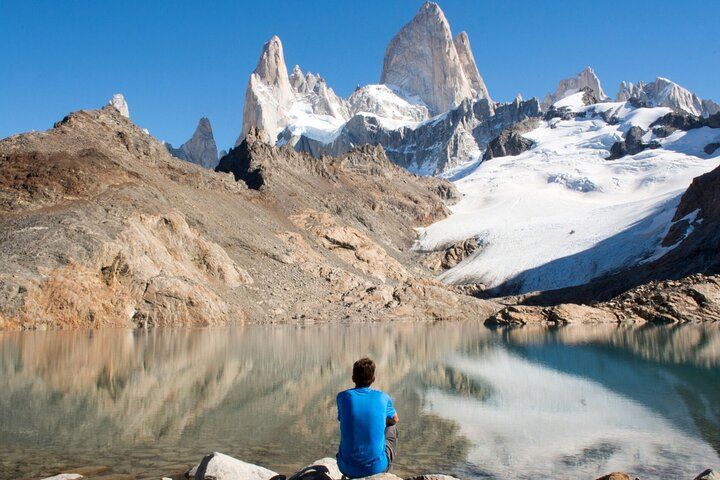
(201, 148)
(297, 80)
(422, 60)
(467, 60)
(119, 103)
(271, 68)
(570, 86)
(666, 93)
(269, 94)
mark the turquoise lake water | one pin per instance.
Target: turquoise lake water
(573, 402)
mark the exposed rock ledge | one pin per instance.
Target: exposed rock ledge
(695, 298)
(217, 466)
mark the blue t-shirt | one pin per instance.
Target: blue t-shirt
(362, 413)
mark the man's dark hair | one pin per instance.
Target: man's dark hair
(363, 372)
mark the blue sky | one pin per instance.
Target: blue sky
(178, 61)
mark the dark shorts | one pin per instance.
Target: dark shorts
(391, 440)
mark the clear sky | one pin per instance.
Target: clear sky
(176, 61)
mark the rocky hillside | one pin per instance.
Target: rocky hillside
(101, 226)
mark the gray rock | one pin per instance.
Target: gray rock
(200, 149)
(632, 144)
(217, 466)
(510, 142)
(710, 148)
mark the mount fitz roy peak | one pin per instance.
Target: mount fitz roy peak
(424, 60)
(431, 112)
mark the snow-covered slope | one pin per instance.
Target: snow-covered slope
(561, 213)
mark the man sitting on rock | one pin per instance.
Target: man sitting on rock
(368, 431)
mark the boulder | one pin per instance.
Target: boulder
(217, 466)
(65, 476)
(332, 466)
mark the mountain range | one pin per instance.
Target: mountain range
(417, 197)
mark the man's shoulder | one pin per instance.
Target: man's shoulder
(351, 392)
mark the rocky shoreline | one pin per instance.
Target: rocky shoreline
(217, 466)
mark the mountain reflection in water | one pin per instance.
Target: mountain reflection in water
(522, 403)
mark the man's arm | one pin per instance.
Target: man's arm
(392, 420)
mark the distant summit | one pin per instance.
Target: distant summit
(201, 148)
(665, 93)
(572, 85)
(119, 103)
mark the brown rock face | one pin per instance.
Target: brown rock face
(101, 226)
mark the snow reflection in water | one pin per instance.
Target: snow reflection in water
(570, 403)
(538, 421)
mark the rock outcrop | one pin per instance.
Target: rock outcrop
(118, 102)
(665, 93)
(510, 142)
(572, 85)
(692, 299)
(632, 145)
(101, 226)
(422, 60)
(200, 149)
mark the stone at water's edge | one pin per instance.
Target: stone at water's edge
(65, 476)
(224, 467)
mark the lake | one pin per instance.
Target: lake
(572, 402)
